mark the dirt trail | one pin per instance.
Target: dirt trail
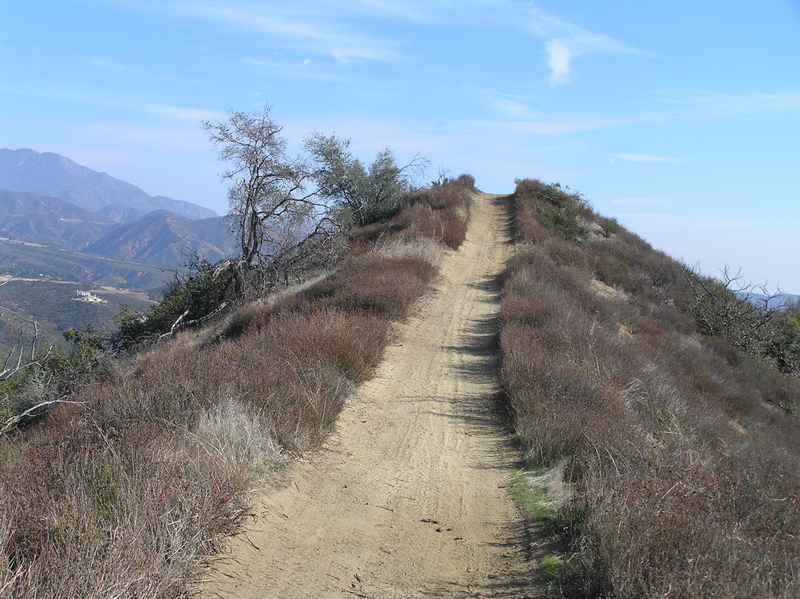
(410, 495)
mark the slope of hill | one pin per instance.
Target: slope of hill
(166, 239)
(49, 221)
(33, 261)
(665, 408)
(52, 175)
(127, 490)
(55, 307)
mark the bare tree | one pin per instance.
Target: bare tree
(23, 347)
(277, 216)
(732, 308)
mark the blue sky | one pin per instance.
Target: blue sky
(681, 119)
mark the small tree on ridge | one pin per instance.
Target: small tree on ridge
(276, 213)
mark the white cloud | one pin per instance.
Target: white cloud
(345, 29)
(706, 103)
(576, 41)
(558, 60)
(542, 126)
(184, 136)
(520, 118)
(293, 69)
(313, 26)
(107, 63)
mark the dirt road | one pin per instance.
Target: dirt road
(410, 495)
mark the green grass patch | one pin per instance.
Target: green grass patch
(530, 497)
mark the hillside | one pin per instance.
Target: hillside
(56, 307)
(33, 261)
(166, 239)
(56, 176)
(545, 407)
(49, 221)
(158, 458)
(665, 405)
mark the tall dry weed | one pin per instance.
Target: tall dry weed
(126, 492)
(683, 473)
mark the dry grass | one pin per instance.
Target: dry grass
(371, 282)
(126, 494)
(683, 473)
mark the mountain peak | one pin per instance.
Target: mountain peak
(52, 175)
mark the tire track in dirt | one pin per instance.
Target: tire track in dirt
(410, 495)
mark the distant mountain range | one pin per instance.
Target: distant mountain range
(777, 302)
(55, 176)
(164, 238)
(49, 201)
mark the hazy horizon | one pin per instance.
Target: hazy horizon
(679, 121)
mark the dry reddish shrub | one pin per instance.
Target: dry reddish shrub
(371, 282)
(440, 212)
(353, 343)
(684, 475)
(249, 316)
(421, 220)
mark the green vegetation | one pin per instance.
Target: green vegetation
(54, 308)
(147, 460)
(204, 290)
(28, 390)
(31, 261)
(679, 466)
(362, 194)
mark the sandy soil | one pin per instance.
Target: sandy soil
(410, 495)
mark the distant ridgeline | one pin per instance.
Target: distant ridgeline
(780, 301)
(48, 200)
(65, 227)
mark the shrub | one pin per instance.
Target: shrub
(659, 430)
(190, 298)
(370, 282)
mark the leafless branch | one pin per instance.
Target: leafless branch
(11, 423)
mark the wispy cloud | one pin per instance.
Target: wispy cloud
(566, 41)
(707, 103)
(117, 100)
(516, 115)
(646, 158)
(544, 126)
(313, 27)
(561, 51)
(135, 135)
(345, 30)
(292, 69)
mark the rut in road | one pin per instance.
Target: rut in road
(410, 495)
